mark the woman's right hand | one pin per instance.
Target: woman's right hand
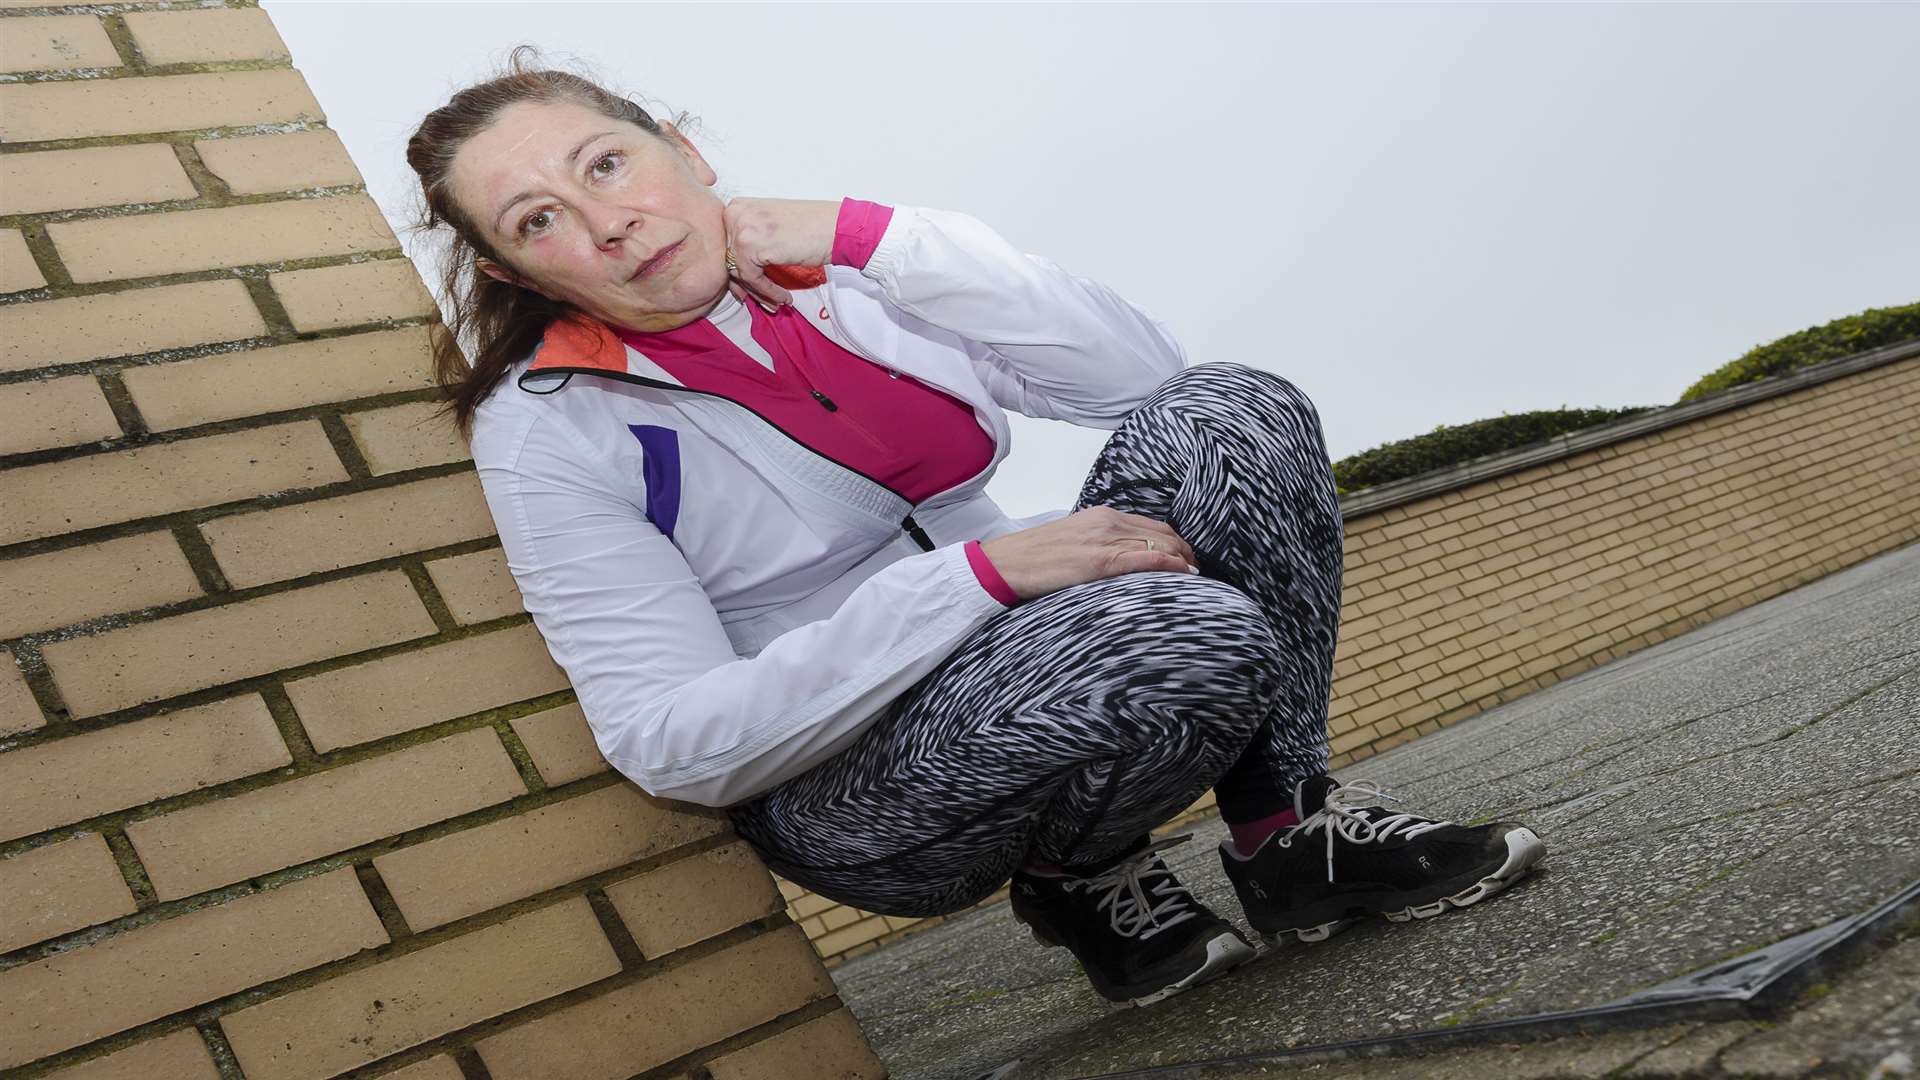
(1087, 545)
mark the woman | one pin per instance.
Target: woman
(737, 451)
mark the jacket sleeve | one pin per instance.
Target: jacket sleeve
(671, 705)
(1045, 342)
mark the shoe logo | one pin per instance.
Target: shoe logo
(1425, 863)
(1257, 890)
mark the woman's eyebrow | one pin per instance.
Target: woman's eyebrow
(571, 155)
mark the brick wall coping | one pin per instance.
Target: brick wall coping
(1375, 499)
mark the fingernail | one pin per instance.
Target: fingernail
(1192, 569)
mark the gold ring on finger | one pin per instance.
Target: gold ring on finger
(731, 265)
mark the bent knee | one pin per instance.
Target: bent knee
(1231, 378)
(1182, 621)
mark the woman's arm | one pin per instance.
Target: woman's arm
(1063, 346)
(671, 705)
(1045, 342)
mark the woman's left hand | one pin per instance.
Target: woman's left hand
(764, 232)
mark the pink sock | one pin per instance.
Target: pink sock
(1250, 835)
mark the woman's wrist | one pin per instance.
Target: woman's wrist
(988, 576)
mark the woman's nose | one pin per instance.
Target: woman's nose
(611, 224)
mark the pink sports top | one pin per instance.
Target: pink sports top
(913, 438)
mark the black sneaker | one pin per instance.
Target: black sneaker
(1137, 932)
(1347, 859)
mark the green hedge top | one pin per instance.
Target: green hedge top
(1870, 329)
(1446, 446)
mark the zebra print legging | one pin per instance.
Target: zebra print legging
(1069, 725)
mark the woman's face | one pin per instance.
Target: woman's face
(576, 202)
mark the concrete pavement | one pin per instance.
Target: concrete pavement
(1713, 794)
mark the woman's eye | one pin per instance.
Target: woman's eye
(604, 159)
(530, 218)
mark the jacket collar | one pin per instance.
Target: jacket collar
(578, 341)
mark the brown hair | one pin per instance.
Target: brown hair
(504, 321)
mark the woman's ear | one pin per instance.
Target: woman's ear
(494, 270)
(695, 162)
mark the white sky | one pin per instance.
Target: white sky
(1421, 214)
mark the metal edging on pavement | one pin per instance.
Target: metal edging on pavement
(1753, 985)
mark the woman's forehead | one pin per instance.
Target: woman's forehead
(518, 150)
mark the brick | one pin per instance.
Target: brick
(82, 493)
(830, 1045)
(637, 1026)
(18, 272)
(838, 916)
(188, 37)
(88, 107)
(54, 412)
(695, 898)
(405, 437)
(236, 384)
(434, 1068)
(66, 587)
(561, 744)
(840, 941)
(119, 982)
(54, 43)
(806, 905)
(98, 176)
(399, 693)
(352, 295)
(72, 779)
(179, 241)
(467, 872)
(477, 586)
(80, 328)
(368, 1014)
(306, 538)
(59, 888)
(159, 659)
(18, 711)
(295, 161)
(180, 1056)
(217, 843)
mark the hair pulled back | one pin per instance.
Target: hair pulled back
(500, 321)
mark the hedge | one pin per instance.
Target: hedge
(1447, 446)
(1450, 445)
(1870, 329)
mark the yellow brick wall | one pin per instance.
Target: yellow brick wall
(288, 783)
(1466, 598)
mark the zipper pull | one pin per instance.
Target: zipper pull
(919, 535)
(825, 401)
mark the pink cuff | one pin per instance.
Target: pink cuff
(990, 578)
(857, 231)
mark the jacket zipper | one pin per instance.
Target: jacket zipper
(908, 525)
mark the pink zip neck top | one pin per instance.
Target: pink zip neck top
(913, 438)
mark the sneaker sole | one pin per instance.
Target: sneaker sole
(1524, 849)
(1225, 951)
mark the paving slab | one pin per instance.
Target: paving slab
(1723, 790)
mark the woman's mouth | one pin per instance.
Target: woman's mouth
(653, 265)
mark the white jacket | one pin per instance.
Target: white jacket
(733, 607)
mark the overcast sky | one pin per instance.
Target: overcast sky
(1421, 214)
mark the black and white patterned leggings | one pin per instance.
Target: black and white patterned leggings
(1069, 725)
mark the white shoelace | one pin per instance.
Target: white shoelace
(1338, 815)
(1132, 909)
